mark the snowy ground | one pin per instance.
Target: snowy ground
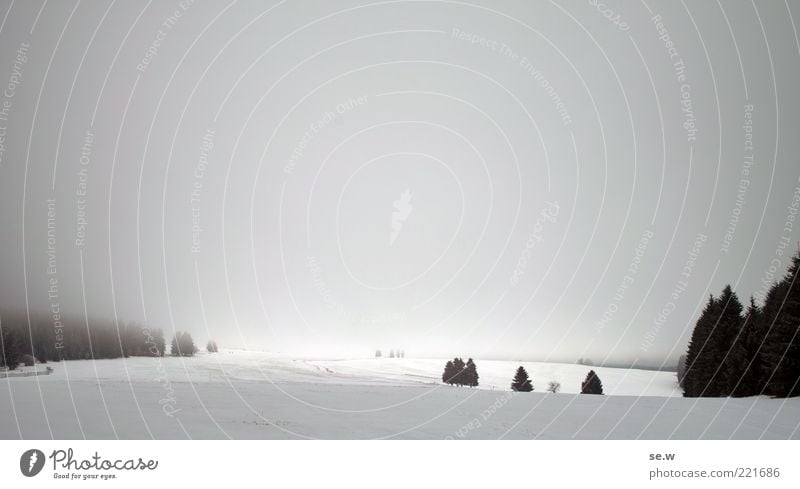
(240, 394)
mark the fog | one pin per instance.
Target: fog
(519, 180)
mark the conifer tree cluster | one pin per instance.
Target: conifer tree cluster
(183, 345)
(212, 347)
(521, 382)
(46, 338)
(736, 352)
(456, 372)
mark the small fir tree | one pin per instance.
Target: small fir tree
(592, 384)
(521, 382)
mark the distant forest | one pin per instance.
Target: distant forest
(65, 338)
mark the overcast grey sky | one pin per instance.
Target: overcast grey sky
(518, 179)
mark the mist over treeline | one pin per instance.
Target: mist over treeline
(68, 336)
(54, 337)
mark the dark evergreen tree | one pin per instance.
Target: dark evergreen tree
(9, 348)
(471, 374)
(724, 370)
(781, 316)
(521, 382)
(187, 346)
(449, 372)
(698, 366)
(745, 377)
(592, 384)
(458, 371)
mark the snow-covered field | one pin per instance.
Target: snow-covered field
(240, 394)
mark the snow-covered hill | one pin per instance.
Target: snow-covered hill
(238, 365)
(497, 375)
(257, 395)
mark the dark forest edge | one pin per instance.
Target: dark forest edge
(43, 339)
(738, 353)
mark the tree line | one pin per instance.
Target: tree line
(744, 352)
(83, 340)
(456, 372)
(392, 353)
